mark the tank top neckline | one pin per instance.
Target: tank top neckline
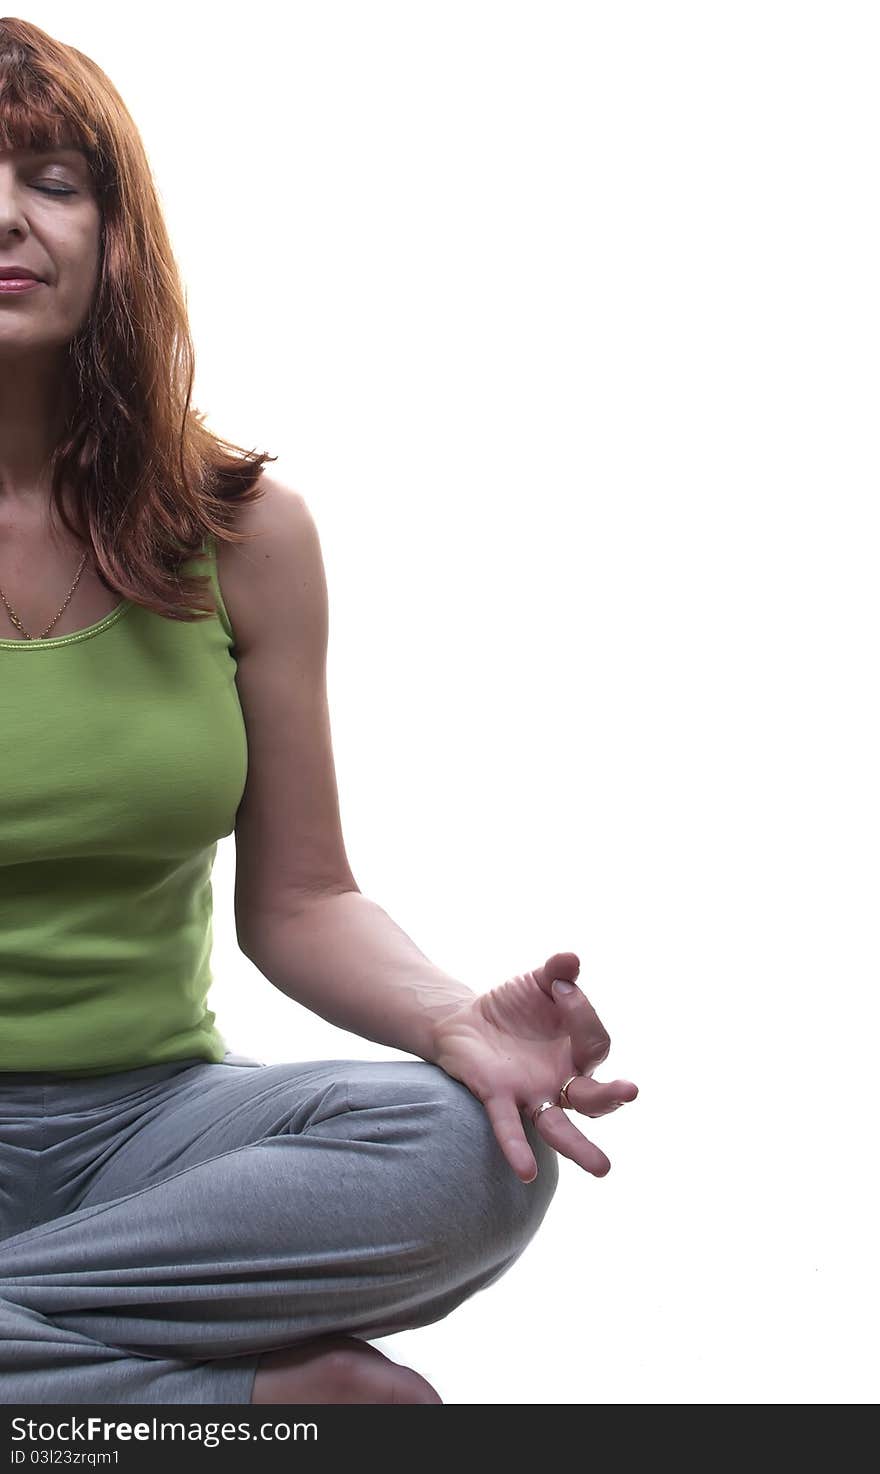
(84, 634)
(89, 630)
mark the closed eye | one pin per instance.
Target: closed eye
(48, 189)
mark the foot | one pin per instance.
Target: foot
(337, 1369)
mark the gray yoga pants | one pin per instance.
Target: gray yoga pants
(161, 1227)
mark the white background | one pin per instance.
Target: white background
(563, 317)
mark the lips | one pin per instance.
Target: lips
(18, 273)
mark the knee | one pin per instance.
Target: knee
(491, 1205)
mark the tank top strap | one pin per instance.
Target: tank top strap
(210, 550)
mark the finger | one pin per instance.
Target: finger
(507, 1124)
(597, 1097)
(590, 1041)
(564, 1136)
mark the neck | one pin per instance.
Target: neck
(32, 413)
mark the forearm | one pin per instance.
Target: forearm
(342, 957)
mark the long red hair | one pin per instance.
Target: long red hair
(146, 479)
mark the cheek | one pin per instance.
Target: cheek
(72, 298)
(79, 270)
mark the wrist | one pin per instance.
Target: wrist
(443, 1021)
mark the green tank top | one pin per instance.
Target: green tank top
(123, 755)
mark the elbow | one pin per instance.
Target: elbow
(255, 933)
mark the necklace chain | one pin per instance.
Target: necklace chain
(17, 622)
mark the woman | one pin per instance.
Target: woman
(179, 1223)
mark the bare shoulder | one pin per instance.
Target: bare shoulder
(288, 831)
(275, 580)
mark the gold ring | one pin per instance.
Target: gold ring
(545, 1105)
(563, 1095)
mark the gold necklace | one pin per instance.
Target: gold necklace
(17, 622)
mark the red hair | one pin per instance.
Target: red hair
(146, 479)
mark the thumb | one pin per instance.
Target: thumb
(563, 966)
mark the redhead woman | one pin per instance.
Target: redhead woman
(180, 1223)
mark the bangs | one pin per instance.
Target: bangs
(26, 127)
(43, 109)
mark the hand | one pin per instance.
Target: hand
(515, 1047)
